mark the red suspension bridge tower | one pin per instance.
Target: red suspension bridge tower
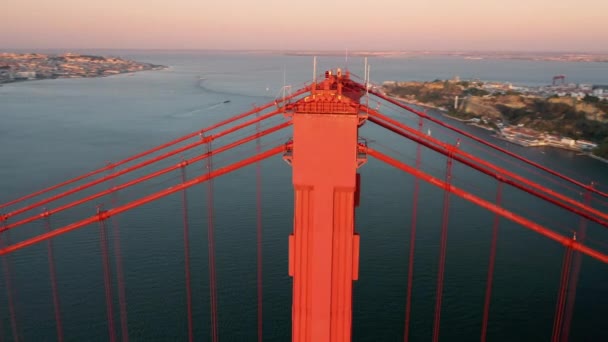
(324, 249)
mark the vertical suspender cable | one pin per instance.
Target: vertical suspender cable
(10, 293)
(53, 276)
(187, 257)
(410, 269)
(211, 248)
(576, 264)
(258, 149)
(443, 248)
(122, 296)
(491, 263)
(1, 331)
(561, 297)
(107, 277)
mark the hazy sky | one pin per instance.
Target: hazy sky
(564, 25)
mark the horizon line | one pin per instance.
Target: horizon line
(325, 51)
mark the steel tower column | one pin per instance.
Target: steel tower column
(324, 249)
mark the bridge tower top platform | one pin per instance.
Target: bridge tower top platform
(336, 93)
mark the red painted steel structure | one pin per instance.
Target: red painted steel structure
(323, 249)
(325, 154)
(486, 143)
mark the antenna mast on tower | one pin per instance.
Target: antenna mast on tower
(314, 69)
(367, 79)
(284, 81)
(365, 72)
(346, 60)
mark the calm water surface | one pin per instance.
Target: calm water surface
(57, 129)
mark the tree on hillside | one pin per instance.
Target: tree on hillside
(591, 99)
(602, 149)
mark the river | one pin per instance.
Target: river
(53, 130)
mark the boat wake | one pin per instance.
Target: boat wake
(202, 84)
(198, 111)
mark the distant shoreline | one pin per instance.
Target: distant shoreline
(529, 56)
(128, 73)
(17, 67)
(445, 114)
(472, 55)
(597, 157)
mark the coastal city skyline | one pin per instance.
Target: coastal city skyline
(537, 25)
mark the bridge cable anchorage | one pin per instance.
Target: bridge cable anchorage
(11, 293)
(135, 167)
(228, 121)
(410, 268)
(562, 294)
(491, 170)
(258, 149)
(443, 243)
(8, 249)
(122, 296)
(211, 246)
(486, 143)
(491, 264)
(576, 264)
(53, 276)
(107, 276)
(187, 256)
